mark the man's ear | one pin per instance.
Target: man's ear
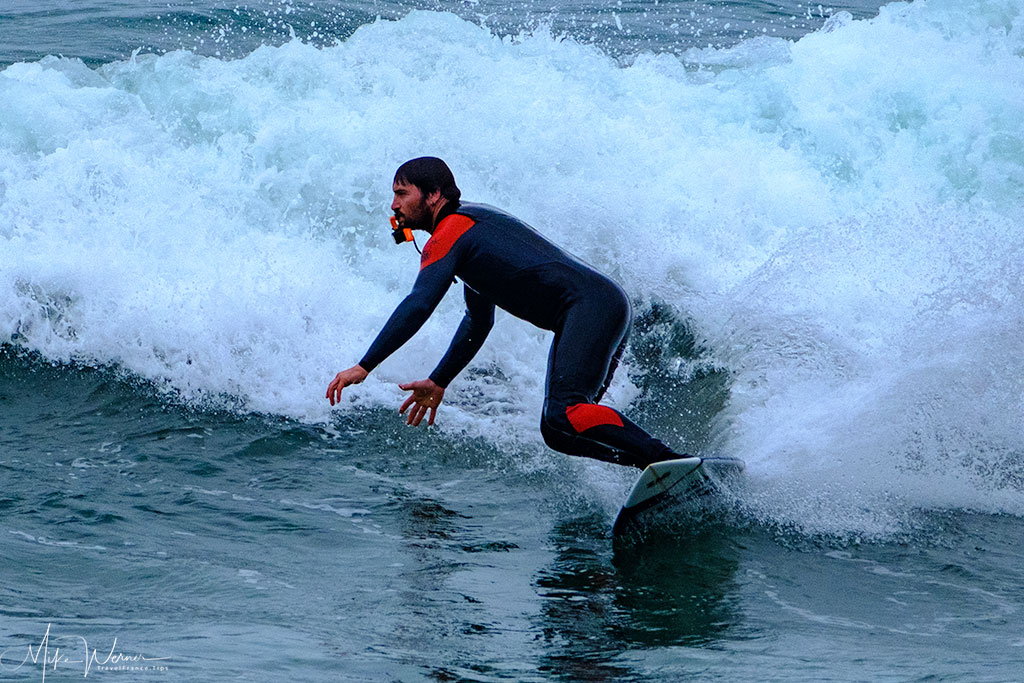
(434, 199)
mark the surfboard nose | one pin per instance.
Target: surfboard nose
(674, 484)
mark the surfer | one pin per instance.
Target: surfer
(503, 262)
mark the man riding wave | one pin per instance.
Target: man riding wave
(503, 262)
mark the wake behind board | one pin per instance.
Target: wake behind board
(684, 484)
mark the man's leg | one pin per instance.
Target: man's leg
(580, 367)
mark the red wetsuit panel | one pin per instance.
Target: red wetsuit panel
(584, 416)
(445, 235)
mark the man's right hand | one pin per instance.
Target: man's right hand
(354, 375)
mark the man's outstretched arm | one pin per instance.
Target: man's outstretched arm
(414, 310)
(427, 394)
(409, 316)
(473, 330)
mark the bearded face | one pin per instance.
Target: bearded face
(410, 207)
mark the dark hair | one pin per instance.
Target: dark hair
(429, 174)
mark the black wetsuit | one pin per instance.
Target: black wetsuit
(504, 262)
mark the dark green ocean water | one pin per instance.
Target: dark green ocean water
(249, 548)
(816, 211)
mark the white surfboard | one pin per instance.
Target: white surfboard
(682, 483)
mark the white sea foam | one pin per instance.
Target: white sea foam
(838, 219)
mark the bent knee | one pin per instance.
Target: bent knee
(555, 436)
(573, 420)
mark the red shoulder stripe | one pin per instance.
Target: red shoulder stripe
(583, 416)
(445, 235)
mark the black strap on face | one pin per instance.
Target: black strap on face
(401, 234)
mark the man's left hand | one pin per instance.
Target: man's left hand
(425, 396)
